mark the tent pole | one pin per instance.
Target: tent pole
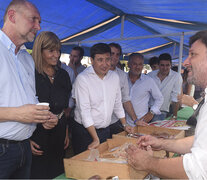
(181, 52)
(174, 48)
(122, 26)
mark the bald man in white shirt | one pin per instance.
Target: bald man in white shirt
(97, 95)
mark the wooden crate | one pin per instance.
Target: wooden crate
(154, 129)
(77, 167)
(148, 130)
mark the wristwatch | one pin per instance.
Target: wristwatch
(152, 112)
(174, 117)
(124, 125)
(195, 106)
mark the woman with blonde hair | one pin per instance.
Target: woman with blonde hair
(52, 86)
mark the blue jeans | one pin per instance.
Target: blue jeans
(162, 116)
(15, 160)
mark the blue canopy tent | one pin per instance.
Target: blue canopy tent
(150, 27)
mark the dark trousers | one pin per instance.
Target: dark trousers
(15, 160)
(116, 128)
(81, 138)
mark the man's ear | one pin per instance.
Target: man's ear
(91, 60)
(11, 15)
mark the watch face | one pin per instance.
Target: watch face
(195, 106)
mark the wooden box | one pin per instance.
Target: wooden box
(154, 130)
(77, 167)
(148, 130)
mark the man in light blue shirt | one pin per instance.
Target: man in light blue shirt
(142, 88)
(18, 112)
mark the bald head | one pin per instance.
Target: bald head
(21, 22)
(17, 5)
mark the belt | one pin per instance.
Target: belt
(7, 141)
(164, 111)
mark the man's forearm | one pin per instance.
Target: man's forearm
(171, 168)
(176, 106)
(92, 132)
(8, 114)
(130, 110)
(180, 146)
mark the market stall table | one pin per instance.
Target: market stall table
(183, 114)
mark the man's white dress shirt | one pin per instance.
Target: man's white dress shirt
(124, 90)
(195, 163)
(170, 87)
(140, 93)
(17, 87)
(97, 98)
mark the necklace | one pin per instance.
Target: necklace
(52, 77)
(49, 76)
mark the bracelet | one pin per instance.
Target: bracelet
(135, 121)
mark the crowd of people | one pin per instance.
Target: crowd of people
(91, 104)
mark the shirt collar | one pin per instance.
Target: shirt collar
(8, 43)
(140, 78)
(206, 94)
(170, 73)
(92, 71)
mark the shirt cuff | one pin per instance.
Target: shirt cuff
(155, 110)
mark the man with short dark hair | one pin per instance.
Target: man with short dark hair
(169, 83)
(97, 95)
(76, 56)
(115, 126)
(18, 112)
(153, 62)
(193, 162)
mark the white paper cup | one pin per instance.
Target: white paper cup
(43, 104)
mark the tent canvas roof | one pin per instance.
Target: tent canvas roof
(151, 27)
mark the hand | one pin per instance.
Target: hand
(147, 117)
(66, 142)
(51, 123)
(138, 158)
(141, 123)
(173, 118)
(145, 141)
(129, 129)
(67, 112)
(34, 148)
(186, 100)
(31, 113)
(94, 144)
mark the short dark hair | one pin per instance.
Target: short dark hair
(136, 54)
(201, 35)
(100, 48)
(166, 57)
(153, 60)
(117, 46)
(80, 49)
